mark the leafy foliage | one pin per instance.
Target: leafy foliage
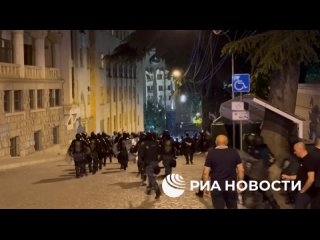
(272, 50)
(154, 116)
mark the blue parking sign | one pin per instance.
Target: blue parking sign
(241, 83)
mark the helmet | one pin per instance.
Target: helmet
(78, 136)
(259, 140)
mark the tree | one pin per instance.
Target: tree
(278, 54)
(154, 116)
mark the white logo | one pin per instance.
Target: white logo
(173, 185)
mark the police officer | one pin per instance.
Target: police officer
(188, 147)
(149, 154)
(167, 152)
(77, 150)
(94, 147)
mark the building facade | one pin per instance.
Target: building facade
(159, 88)
(308, 107)
(55, 83)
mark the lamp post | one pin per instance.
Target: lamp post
(220, 32)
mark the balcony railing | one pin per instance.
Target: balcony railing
(9, 70)
(52, 73)
(32, 72)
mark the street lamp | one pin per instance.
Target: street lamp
(183, 98)
(219, 33)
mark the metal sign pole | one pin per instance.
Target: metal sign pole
(240, 126)
(233, 123)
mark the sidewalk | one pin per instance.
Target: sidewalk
(54, 153)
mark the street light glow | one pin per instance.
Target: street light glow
(176, 73)
(183, 98)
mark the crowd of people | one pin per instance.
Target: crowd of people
(90, 154)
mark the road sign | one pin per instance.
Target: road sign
(240, 115)
(241, 83)
(237, 106)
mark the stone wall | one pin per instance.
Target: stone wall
(24, 124)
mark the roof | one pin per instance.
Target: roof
(256, 109)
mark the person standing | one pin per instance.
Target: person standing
(305, 175)
(223, 164)
(188, 148)
(149, 155)
(77, 151)
(315, 201)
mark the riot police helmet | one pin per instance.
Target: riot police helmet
(78, 136)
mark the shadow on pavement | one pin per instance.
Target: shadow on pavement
(130, 185)
(206, 202)
(115, 171)
(146, 204)
(69, 170)
(52, 180)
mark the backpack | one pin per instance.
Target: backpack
(78, 148)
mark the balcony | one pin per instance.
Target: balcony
(9, 70)
(32, 72)
(52, 73)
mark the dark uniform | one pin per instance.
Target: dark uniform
(77, 151)
(167, 152)
(148, 154)
(94, 151)
(188, 149)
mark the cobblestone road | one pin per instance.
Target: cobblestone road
(53, 185)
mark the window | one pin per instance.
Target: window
(55, 133)
(54, 97)
(108, 69)
(88, 59)
(121, 71)
(160, 88)
(150, 89)
(5, 51)
(159, 76)
(102, 61)
(72, 82)
(7, 102)
(40, 98)
(137, 98)
(31, 97)
(102, 125)
(37, 140)
(102, 95)
(114, 94)
(169, 87)
(14, 147)
(51, 98)
(115, 70)
(169, 97)
(17, 95)
(28, 54)
(148, 78)
(57, 97)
